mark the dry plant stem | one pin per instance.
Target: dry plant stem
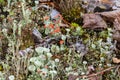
(17, 55)
(98, 73)
(117, 70)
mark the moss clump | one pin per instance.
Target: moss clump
(72, 10)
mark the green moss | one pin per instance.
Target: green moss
(72, 10)
(73, 15)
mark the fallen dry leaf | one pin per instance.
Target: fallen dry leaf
(110, 14)
(116, 60)
(113, 16)
(93, 21)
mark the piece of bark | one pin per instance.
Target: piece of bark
(93, 21)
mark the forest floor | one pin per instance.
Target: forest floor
(59, 40)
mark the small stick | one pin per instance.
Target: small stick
(95, 74)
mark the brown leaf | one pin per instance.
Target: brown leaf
(111, 14)
(93, 21)
(116, 60)
(114, 17)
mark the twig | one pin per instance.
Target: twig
(117, 68)
(95, 74)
